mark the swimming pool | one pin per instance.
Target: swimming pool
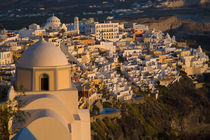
(108, 110)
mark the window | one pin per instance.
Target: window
(44, 79)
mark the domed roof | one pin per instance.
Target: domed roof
(42, 54)
(53, 19)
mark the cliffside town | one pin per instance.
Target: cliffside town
(112, 63)
(110, 55)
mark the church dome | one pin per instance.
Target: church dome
(53, 19)
(43, 54)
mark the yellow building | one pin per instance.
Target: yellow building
(167, 60)
(146, 39)
(157, 52)
(137, 32)
(162, 57)
(88, 41)
(97, 81)
(173, 64)
(127, 39)
(43, 73)
(184, 53)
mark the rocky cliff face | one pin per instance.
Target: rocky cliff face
(164, 24)
(188, 3)
(194, 32)
(177, 3)
(173, 23)
(182, 112)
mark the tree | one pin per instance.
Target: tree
(8, 110)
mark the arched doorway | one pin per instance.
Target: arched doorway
(44, 79)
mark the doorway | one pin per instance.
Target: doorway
(44, 82)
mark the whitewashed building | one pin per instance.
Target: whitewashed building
(103, 31)
(5, 57)
(54, 24)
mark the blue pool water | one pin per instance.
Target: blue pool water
(108, 111)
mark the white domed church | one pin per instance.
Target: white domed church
(54, 24)
(51, 100)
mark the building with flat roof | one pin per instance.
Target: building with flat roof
(6, 57)
(103, 31)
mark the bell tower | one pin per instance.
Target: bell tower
(43, 72)
(44, 67)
